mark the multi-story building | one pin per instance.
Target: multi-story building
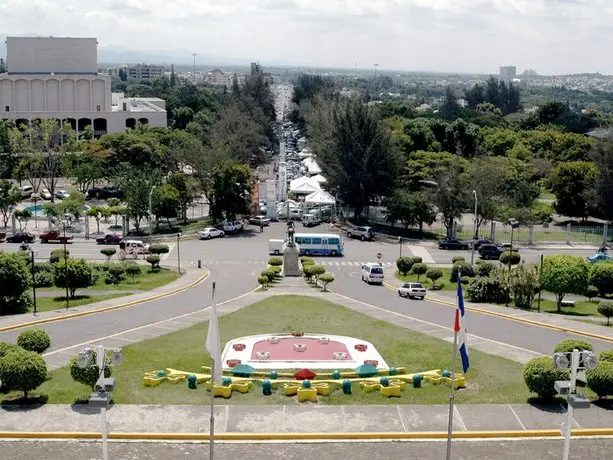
(508, 72)
(58, 78)
(145, 71)
(219, 78)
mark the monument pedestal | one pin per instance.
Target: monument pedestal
(291, 261)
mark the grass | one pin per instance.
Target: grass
(56, 303)
(444, 281)
(146, 281)
(491, 380)
(581, 308)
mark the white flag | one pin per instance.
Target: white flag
(212, 341)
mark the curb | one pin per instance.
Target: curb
(105, 309)
(513, 318)
(306, 436)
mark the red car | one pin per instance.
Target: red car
(109, 239)
(55, 237)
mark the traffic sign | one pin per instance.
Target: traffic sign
(379, 255)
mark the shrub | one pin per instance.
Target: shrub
(564, 275)
(434, 274)
(43, 279)
(154, 260)
(523, 283)
(568, 345)
(263, 280)
(601, 276)
(269, 274)
(591, 292)
(87, 375)
(484, 268)
(108, 252)
(540, 376)
(159, 249)
(36, 340)
(22, 370)
(416, 260)
(605, 355)
(464, 268)
(308, 271)
(513, 256)
(492, 289)
(307, 260)
(58, 254)
(115, 274)
(15, 280)
(606, 310)
(326, 279)
(404, 265)
(77, 272)
(5, 347)
(420, 269)
(455, 259)
(275, 261)
(317, 271)
(600, 379)
(132, 270)
(275, 269)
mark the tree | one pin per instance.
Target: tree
(450, 198)
(606, 310)
(86, 167)
(450, 109)
(22, 216)
(601, 277)
(2, 65)
(326, 278)
(136, 185)
(410, 208)
(230, 193)
(356, 151)
(22, 370)
(165, 202)
(564, 275)
(78, 272)
(185, 188)
(96, 213)
(574, 185)
(420, 269)
(308, 86)
(36, 340)
(602, 156)
(15, 280)
(108, 252)
(10, 196)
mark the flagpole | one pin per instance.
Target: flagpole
(212, 417)
(452, 394)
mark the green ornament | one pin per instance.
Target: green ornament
(384, 382)
(274, 375)
(446, 374)
(267, 388)
(417, 379)
(226, 381)
(347, 386)
(191, 382)
(161, 373)
(336, 375)
(306, 383)
(393, 371)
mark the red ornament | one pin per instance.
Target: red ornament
(305, 374)
(233, 362)
(239, 346)
(361, 347)
(297, 334)
(372, 361)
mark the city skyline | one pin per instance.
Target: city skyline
(472, 36)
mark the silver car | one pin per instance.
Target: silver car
(412, 290)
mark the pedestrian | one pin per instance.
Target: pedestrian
(261, 227)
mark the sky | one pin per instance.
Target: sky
(475, 36)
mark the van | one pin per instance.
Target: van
(372, 273)
(26, 191)
(310, 220)
(275, 247)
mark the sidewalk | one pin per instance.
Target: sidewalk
(298, 418)
(560, 321)
(190, 276)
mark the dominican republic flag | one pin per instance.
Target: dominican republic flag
(460, 327)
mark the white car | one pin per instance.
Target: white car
(412, 290)
(45, 194)
(232, 226)
(208, 233)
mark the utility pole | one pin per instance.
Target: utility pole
(194, 56)
(376, 66)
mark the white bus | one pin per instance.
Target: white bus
(320, 244)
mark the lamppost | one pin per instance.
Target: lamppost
(64, 225)
(400, 245)
(476, 236)
(35, 197)
(179, 253)
(104, 386)
(150, 213)
(32, 254)
(514, 224)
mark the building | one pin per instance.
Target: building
(508, 72)
(58, 78)
(219, 78)
(145, 72)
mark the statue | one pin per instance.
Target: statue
(290, 233)
(291, 254)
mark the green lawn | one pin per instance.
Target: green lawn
(442, 284)
(491, 379)
(146, 281)
(581, 308)
(55, 303)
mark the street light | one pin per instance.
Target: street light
(476, 236)
(32, 254)
(35, 197)
(514, 224)
(104, 386)
(179, 253)
(400, 245)
(64, 225)
(150, 213)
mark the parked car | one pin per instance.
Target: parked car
(210, 232)
(21, 237)
(110, 238)
(26, 191)
(310, 220)
(103, 193)
(232, 226)
(480, 242)
(490, 251)
(2, 237)
(412, 290)
(54, 236)
(259, 220)
(275, 247)
(45, 194)
(62, 194)
(363, 233)
(452, 243)
(506, 247)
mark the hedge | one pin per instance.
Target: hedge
(6, 347)
(540, 376)
(275, 261)
(605, 355)
(87, 375)
(606, 310)
(464, 268)
(600, 379)
(568, 345)
(36, 340)
(22, 370)
(58, 254)
(159, 249)
(513, 256)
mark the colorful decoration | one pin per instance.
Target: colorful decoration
(366, 370)
(417, 381)
(305, 374)
(243, 370)
(191, 382)
(298, 334)
(239, 346)
(361, 347)
(274, 375)
(233, 362)
(336, 375)
(267, 388)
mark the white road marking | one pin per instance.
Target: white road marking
(419, 251)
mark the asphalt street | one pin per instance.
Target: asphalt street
(520, 449)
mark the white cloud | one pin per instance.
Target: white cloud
(551, 36)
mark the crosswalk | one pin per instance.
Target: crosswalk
(329, 263)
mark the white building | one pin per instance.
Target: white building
(219, 78)
(58, 78)
(145, 71)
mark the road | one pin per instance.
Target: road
(520, 449)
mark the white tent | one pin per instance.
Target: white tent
(311, 165)
(320, 197)
(304, 185)
(319, 178)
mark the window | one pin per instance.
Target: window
(315, 240)
(376, 270)
(7, 108)
(334, 241)
(97, 108)
(306, 240)
(298, 240)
